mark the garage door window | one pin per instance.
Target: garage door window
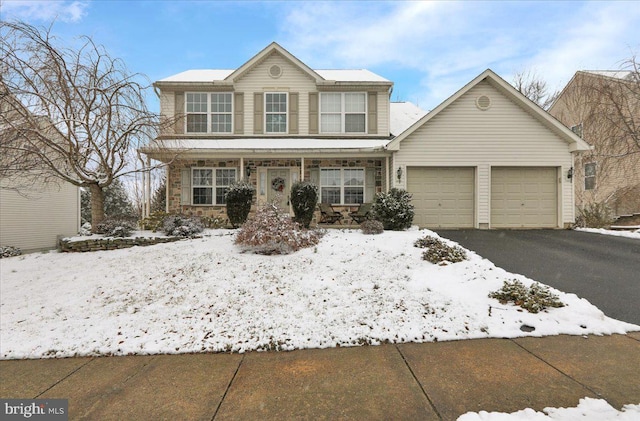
(342, 186)
(590, 176)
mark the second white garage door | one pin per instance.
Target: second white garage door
(443, 197)
(524, 197)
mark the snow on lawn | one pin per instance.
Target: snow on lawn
(206, 295)
(588, 409)
(628, 234)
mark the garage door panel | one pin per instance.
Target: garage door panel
(524, 197)
(443, 197)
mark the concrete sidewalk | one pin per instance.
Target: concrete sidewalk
(432, 381)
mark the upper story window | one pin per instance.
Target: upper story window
(275, 107)
(343, 112)
(590, 176)
(209, 112)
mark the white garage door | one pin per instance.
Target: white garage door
(443, 197)
(524, 197)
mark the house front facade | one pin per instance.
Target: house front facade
(274, 121)
(603, 108)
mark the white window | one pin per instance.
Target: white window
(590, 176)
(275, 115)
(209, 185)
(343, 186)
(343, 112)
(209, 112)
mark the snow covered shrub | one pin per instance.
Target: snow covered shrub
(238, 199)
(533, 299)
(438, 251)
(214, 222)
(154, 222)
(304, 198)
(371, 226)
(9, 251)
(271, 231)
(182, 226)
(85, 229)
(113, 227)
(594, 215)
(393, 209)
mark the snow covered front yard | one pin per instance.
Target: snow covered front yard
(206, 295)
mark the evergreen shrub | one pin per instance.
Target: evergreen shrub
(115, 227)
(533, 299)
(393, 209)
(371, 226)
(437, 251)
(239, 197)
(304, 198)
(182, 226)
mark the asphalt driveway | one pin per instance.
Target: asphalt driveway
(601, 268)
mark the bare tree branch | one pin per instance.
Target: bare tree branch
(75, 115)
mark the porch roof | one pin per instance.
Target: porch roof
(189, 147)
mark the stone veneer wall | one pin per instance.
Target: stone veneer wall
(111, 243)
(253, 164)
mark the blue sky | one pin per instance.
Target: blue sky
(429, 49)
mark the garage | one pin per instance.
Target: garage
(524, 197)
(443, 197)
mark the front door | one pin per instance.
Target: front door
(279, 186)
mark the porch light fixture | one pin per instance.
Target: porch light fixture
(570, 173)
(248, 171)
(399, 173)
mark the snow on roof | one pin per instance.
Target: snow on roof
(353, 75)
(209, 75)
(272, 143)
(618, 74)
(403, 115)
(198, 75)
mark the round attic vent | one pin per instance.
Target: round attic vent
(275, 71)
(483, 102)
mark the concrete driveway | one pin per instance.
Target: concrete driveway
(601, 268)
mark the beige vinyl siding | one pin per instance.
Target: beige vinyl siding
(35, 222)
(292, 80)
(167, 108)
(503, 135)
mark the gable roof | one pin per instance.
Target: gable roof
(321, 77)
(402, 115)
(577, 144)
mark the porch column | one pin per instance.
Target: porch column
(386, 170)
(241, 168)
(148, 189)
(302, 168)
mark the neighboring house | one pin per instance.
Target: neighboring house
(33, 216)
(603, 107)
(487, 157)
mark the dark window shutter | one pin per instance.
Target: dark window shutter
(293, 113)
(238, 113)
(313, 113)
(185, 186)
(373, 113)
(179, 113)
(258, 113)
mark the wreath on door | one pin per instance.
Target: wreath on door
(278, 184)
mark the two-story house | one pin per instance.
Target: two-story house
(274, 121)
(603, 107)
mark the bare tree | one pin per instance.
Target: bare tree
(75, 115)
(534, 87)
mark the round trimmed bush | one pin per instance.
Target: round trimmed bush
(393, 209)
(182, 226)
(304, 198)
(371, 226)
(239, 197)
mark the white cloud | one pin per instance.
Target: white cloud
(449, 43)
(42, 10)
